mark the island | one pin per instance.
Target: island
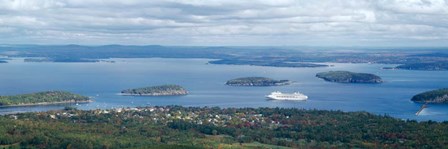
(42, 98)
(3, 61)
(257, 81)
(349, 77)
(162, 90)
(389, 68)
(61, 60)
(428, 66)
(434, 96)
(267, 62)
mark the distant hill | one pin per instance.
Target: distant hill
(349, 77)
(292, 57)
(434, 96)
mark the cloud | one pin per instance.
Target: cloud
(415, 6)
(225, 22)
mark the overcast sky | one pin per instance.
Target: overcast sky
(226, 22)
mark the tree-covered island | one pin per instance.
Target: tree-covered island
(349, 77)
(257, 81)
(162, 90)
(42, 98)
(434, 96)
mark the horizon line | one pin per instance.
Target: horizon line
(166, 45)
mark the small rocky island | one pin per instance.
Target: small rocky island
(43, 98)
(349, 77)
(162, 90)
(257, 81)
(434, 96)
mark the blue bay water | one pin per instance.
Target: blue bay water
(103, 81)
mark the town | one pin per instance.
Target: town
(211, 127)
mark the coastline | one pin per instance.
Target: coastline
(46, 103)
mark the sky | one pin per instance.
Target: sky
(226, 22)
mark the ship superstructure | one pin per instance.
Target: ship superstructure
(284, 96)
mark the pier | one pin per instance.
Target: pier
(425, 105)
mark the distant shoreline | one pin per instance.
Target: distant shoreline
(45, 103)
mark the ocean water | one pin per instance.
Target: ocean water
(205, 82)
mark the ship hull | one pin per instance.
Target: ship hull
(279, 98)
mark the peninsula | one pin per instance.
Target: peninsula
(428, 66)
(257, 81)
(434, 96)
(349, 77)
(42, 98)
(162, 90)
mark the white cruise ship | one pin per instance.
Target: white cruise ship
(282, 96)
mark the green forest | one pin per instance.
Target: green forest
(42, 97)
(157, 90)
(434, 96)
(257, 81)
(212, 127)
(349, 77)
